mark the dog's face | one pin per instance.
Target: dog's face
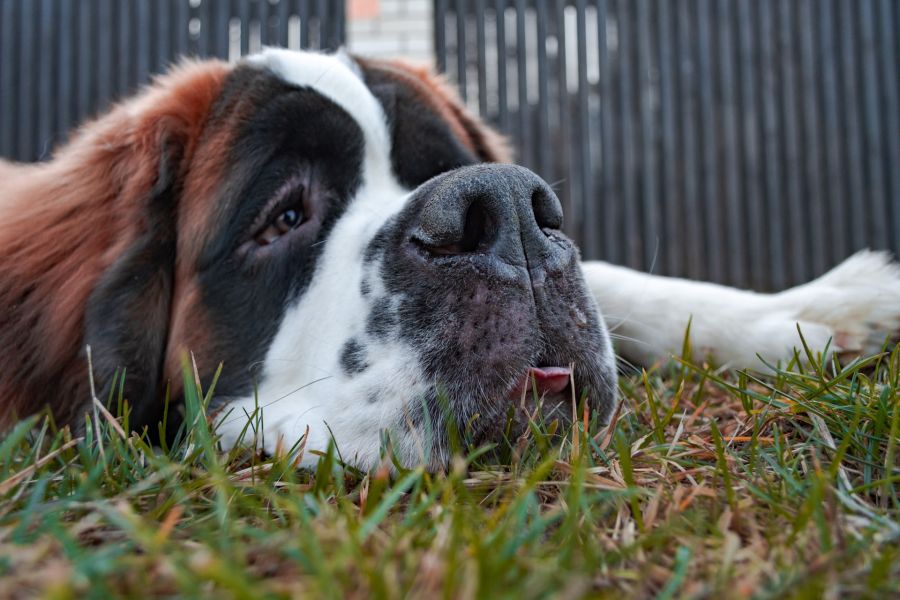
(357, 266)
(379, 277)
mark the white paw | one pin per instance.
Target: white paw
(856, 304)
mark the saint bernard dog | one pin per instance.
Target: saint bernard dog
(355, 250)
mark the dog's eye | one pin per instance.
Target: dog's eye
(288, 219)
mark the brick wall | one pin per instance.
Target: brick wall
(391, 28)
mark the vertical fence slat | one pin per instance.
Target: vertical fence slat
(27, 56)
(751, 145)
(282, 24)
(888, 55)
(877, 234)
(263, 16)
(123, 50)
(181, 37)
(105, 54)
(143, 42)
(687, 97)
(796, 231)
(774, 226)
(565, 166)
(481, 57)
(670, 197)
(812, 146)
(612, 222)
(163, 35)
(849, 77)
(304, 23)
(339, 19)
(627, 151)
(583, 128)
(9, 65)
(731, 197)
(45, 67)
(85, 60)
(440, 34)
(219, 21)
(709, 170)
(205, 39)
(833, 141)
(67, 60)
(461, 48)
(243, 15)
(523, 136)
(650, 235)
(321, 16)
(543, 131)
(502, 94)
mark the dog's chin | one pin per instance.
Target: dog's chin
(540, 393)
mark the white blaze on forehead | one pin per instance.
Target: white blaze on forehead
(338, 78)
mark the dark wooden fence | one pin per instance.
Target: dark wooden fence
(750, 142)
(62, 61)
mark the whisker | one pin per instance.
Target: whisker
(626, 338)
(556, 184)
(623, 364)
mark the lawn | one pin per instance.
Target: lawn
(710, 484)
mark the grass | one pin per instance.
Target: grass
(711, 484)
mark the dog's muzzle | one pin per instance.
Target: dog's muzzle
(491, 295)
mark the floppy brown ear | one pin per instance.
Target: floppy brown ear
(127, 314)
(87, 251)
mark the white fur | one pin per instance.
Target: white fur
(302, 384)
(336, 77)
(855, 305)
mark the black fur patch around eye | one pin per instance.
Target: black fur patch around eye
(278, 129)
(353, 357)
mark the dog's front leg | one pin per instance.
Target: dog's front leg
(855, 306)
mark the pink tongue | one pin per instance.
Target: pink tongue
(546, 380)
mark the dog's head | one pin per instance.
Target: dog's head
(338, 233)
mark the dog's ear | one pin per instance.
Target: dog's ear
(489, 144)
(127, 315)
(392, 81)
(87, 249)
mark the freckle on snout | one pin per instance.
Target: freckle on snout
(353, 357)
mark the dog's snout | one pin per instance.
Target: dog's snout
(499, 210)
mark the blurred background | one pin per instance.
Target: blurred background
(749, 142)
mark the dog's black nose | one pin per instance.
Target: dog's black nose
(500, 210)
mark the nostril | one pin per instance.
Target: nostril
(475, 231)
(475, 235)
(546, 209)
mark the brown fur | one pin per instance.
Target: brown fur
(63, 223)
